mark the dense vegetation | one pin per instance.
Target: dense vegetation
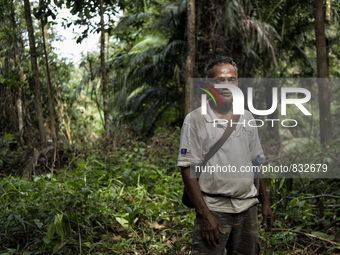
(88, 158)
(127, 199)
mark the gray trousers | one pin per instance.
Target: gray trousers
(241, 238)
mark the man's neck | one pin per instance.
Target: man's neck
(225, 110)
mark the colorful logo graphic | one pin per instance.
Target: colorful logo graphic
(209, 93)
(238, 99)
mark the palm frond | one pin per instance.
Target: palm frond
(160, 57)
(175, 8)
(137, 91)
(305, 56)
(129, 20)
(260, 33)
(141, 71)
(150, 42)
(141, 57)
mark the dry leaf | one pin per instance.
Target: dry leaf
(157, 226)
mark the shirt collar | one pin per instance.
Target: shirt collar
(210, 116)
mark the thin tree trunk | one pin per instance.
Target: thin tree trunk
(21, 77)
(326, 132)
(34, 65)
(102, 57)
(272, 136)
(49, 84)
(107, 55)
(20, 116)
(328, 10)
(66, 125)
(190, 61)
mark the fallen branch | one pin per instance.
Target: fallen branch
(325, 195)
(330, 206)
(63, 244)
(276, 203)
(309, 235)
(79, 237)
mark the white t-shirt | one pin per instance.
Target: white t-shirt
(229, 163)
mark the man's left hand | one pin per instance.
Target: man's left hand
(268, 217)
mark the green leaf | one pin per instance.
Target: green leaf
(60, 231)
(8, 137)
(301, 203)
(88, 244)
(293, 202)
(281, 183)
(56, 247)
(323, 235)
(36, 178)
(75, 185)
(46, 240)
(122, 222)
(20, 220)
(87, 13)
(268, 252)
(38, 223)
(117, 247)
(50, 231)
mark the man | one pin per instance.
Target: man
(226, 208)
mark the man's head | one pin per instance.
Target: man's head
(222, 70)
(217, 61)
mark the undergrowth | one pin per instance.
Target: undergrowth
(123, 196)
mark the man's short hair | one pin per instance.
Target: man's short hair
(218, 60)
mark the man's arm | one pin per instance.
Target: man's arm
(268, 216)
(210, 226)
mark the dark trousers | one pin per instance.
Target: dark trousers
(241, 238)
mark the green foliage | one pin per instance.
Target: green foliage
(12, 156)
(125, 196)
(122, 194)
(117, 203)
(11, 82)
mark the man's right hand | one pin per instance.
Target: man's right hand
(210, 226)
(210, 229)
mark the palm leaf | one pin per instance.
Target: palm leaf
(160, 57)
(260, 33)
(129, 20)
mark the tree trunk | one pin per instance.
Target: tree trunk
(49, 84)
(20, 116)
(328, 10)
(102, 58)
(272, 136)
(20, 77)
(191, 43)
(34, 66)
(326, 132)
(62, 116)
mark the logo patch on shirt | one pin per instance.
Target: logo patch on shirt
(245, 130)
(185, 152)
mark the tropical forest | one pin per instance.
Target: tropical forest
(90, 134)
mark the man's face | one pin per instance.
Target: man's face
(224, 74)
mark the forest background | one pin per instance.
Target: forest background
(88, 150)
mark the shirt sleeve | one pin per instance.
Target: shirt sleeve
(190, 149)
(255, 145)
